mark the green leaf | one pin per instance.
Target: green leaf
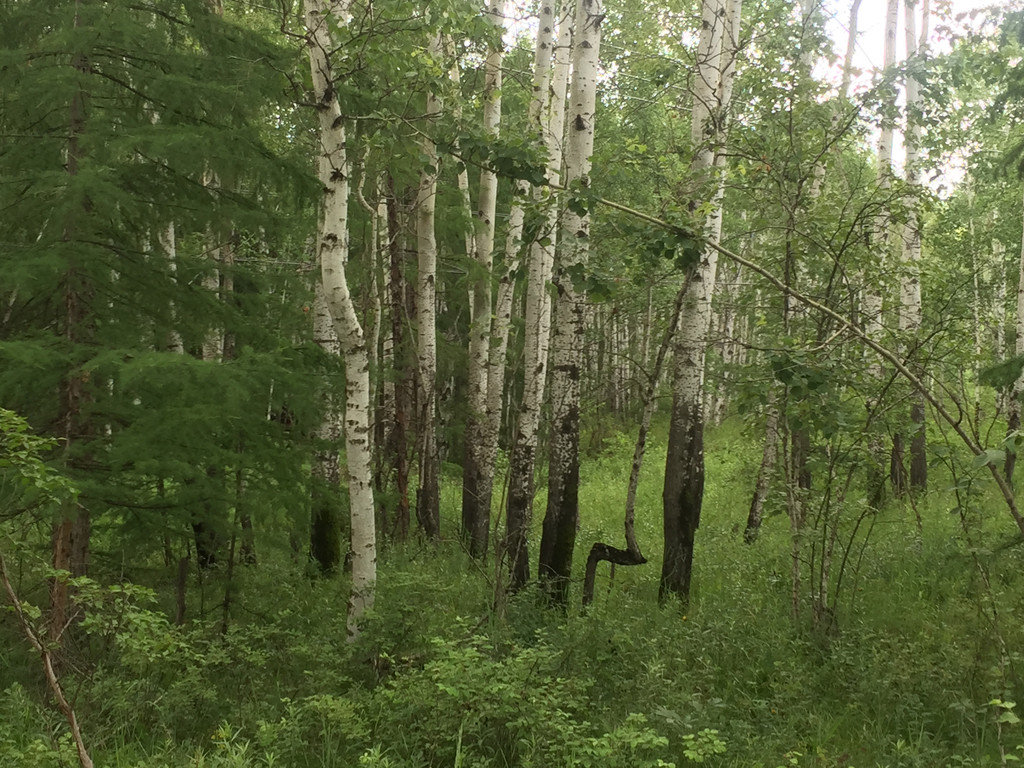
(1002, 374)
(989, 456)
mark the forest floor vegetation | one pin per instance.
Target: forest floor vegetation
(921, 668)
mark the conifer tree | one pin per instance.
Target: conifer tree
(102, 299)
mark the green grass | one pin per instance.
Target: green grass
(929, 634)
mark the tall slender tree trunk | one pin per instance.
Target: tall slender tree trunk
(428, 492)
(325, 516)
(682, 496)
(333, 255)
(632, 555)
(769, 454)
(547, 110)
(558, 537)
(997, 311)
(402, 386)
(882, 242)
(478, 471)
(851, 47)
(910, 283)
(1017, 392)
(71, 534)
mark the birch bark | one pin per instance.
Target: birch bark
(428, 494)
(547, 111)
(559, 530)
(910, 284)
(325, 519)
(851, 47)
(478, 469)
(332, 249)
(684, 467)
(871, 305)
(1017, 392)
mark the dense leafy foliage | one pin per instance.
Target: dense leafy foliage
(161, 387)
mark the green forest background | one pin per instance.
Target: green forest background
(175, 559)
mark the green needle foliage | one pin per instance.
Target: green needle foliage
(118, 122)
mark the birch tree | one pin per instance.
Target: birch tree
(428, 494)
(871, 305)
(332, 248)
(547, 115)
(910, 282)
(684, 467)
(559, 531)
(1017, 391)
(481, 431)
(325, 525)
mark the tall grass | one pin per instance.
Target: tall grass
(928, 636)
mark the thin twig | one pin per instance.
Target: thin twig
(51, 675)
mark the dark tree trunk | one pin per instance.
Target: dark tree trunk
(70, 540)
(398, 444)
(517, 515)
(682, 496)
(476, 493)
(918, 444)
(428, 494)
(558, 536)
(325, 542)
(769, 453)
(247, 554)
(801, 441)
(897, 467)
(1011, 456)
(601, 552)
(209, 524)
(206, 544)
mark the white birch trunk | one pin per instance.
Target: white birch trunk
(851, 47)
(169, 246)
(559, 530)
(910, 282)
(333, 253)
(479, 471)
(998, 311)
(871, 304)
(684, 469)
(547, 110)
(1017, 392)
(428, 492)
(387, 343)
(500, 333)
